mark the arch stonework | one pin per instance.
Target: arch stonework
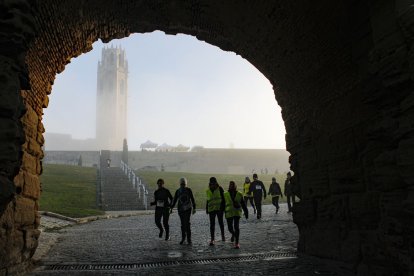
(342, 71)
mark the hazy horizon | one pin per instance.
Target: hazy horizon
(180, 91)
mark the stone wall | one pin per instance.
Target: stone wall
(231, 161)
(342, 72)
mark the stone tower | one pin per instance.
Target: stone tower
(111, 99)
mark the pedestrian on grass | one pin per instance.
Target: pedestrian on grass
(186, 206)
(162, 202)
(234, 205)
(215, 208)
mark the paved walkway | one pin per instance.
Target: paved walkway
(130, 242)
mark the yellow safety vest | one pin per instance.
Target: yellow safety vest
(246, 188)
(230, 210)
(213, 200)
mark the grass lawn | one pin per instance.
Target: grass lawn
(69, 190)
(199, 182)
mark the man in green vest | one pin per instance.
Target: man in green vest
(234, 205)
(215, 207)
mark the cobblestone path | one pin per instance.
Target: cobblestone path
(134, 240)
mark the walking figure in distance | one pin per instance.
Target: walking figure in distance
(215, 208)
(258, 190)
(234, 205)
(162, 202)
(290, 196)
(246, 193)
(275, 192)
(186, 206)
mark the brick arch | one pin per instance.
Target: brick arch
(342, 73)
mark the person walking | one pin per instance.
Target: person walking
(234, 205)
(275, 192)
(186, 206)
(247, 196)
(215, 208)
(290, 196)
(258, 190)
(162, 202)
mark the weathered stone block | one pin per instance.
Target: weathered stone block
(31, 185)
(24, 211)
(34, 148)
(350, 247)
(15, 246)
(31, 242)
(364, 210)
(332, 209)
(45, 101)
(405, 159)
(30, 118)
(9, 130)
(40, 127)
(7, 189)
(40, 139)
(304, 212)
(29, 162)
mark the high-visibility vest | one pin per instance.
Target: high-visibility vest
(246, 189)
(213, 200)
(230, 210)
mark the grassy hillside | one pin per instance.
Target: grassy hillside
(69, 190)
(199, 182)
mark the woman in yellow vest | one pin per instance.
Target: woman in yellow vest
(215, 207)
(247, 195)
(234, 205)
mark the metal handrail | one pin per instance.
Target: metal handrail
(137, 183)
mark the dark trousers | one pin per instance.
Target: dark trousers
(258, 203)
(290, 200)
(275, 202)
(234, 229)
(249, 198)
(185, 225)
(213, 215)
(163, 213)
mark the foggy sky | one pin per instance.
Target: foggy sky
(181, 91)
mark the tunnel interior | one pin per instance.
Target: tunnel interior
(342, 73)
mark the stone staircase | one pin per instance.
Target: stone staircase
(117, 193)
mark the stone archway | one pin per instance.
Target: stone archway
(342, 72)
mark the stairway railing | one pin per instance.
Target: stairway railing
(137, 183)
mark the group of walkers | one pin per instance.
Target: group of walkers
(222, 204)
(254, 191)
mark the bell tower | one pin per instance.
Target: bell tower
(111, 99)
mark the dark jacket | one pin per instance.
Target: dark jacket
(183, 192)
(275, 189)
(288, 188)
(164, 196)
(257, 189)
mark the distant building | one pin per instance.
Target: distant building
(148, 145)
(111, 99)
(181, 148)
(164, 147)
